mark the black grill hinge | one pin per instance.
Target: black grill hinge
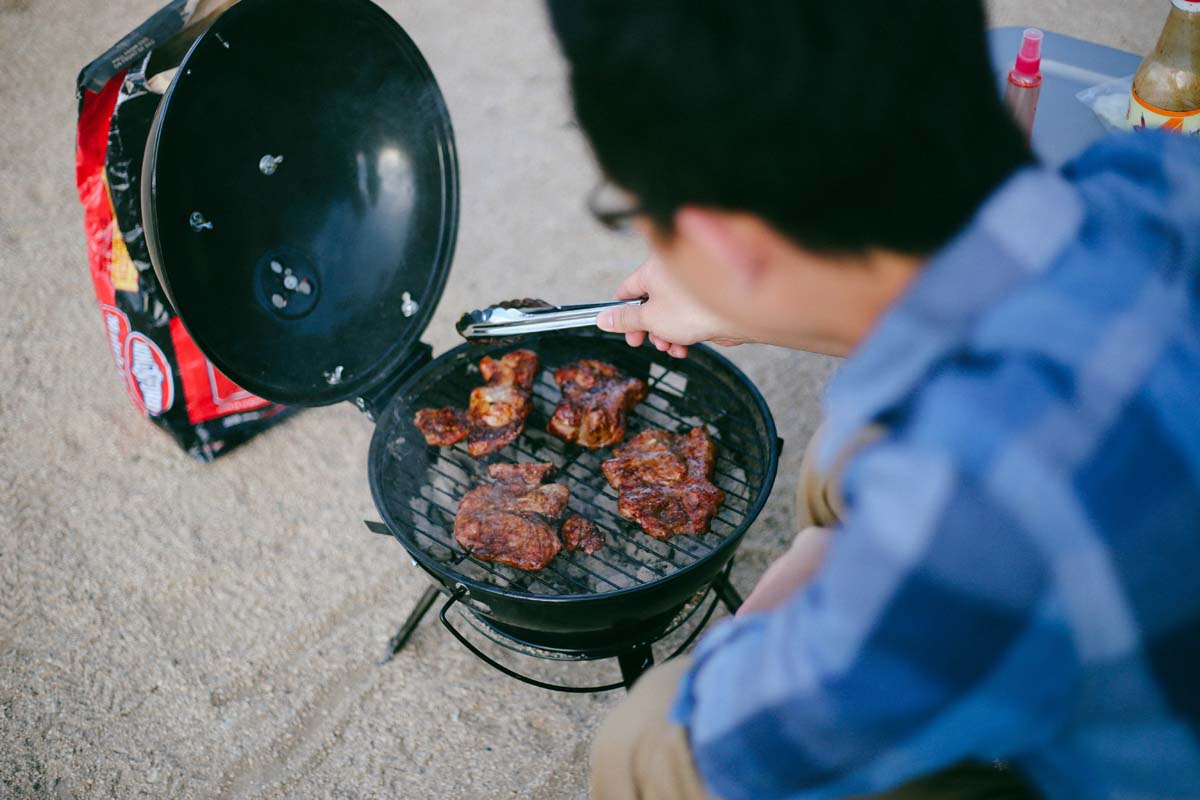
(373, 403)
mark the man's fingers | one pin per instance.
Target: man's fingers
(623, 319)
(635, 339)
(634, 286)
(678, 351)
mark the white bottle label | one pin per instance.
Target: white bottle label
(1143, 116)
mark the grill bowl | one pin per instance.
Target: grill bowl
(635, 580)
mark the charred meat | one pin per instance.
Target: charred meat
(515, 520)
(595, 400)
(524, 541)
(529, 476)
(579, 533)
(664, 482)
(496, 411)
(648, 459)
(442, 427)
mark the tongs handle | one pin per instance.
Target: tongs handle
(504, 322)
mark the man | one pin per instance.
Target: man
(1013, 536)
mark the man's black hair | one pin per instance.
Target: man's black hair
(845, 124)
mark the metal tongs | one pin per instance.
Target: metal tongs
(523, 317)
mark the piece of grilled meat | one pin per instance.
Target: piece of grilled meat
(496, 411)
(515, 520)
(442, 426)
(579, 533)
(595, 399)
(663, 481)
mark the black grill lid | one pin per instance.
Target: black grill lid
(300, 197)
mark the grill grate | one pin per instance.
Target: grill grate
(419, 487)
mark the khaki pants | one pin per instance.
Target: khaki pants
(640, 755)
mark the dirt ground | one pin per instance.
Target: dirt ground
(172, 630)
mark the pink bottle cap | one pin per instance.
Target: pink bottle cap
(1029, 60)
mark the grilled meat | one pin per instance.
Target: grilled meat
(496, 411)
(582, 534)
(663, 482)
(666, 511)
(647, 459)
(699, 452)
(528, 475)
(595, 399)
(517, 368)
(519, 487)
(515, 520)
(442, 426)
(525, 541)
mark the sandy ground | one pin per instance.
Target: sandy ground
(173, 630)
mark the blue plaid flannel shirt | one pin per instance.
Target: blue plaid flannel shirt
(1018, 573)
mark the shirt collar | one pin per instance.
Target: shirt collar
(1019, 232)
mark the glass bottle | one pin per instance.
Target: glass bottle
(1166, 89)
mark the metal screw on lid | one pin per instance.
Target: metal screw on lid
(269, 163)
(198, 222)
(408, 306)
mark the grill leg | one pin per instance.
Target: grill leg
(729, 595)
(634, 662)
(397, 642)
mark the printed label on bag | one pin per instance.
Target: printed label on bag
(116, 327)
(1143, 116)
(150, 380)
(121, 271)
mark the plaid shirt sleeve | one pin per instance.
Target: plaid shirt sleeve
(931, 635)
(1016, 575)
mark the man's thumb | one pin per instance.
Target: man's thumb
(623, 319)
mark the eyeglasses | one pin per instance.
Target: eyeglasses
(611, 207)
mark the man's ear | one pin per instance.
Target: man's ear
(736, 241)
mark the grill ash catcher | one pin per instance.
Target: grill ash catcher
(301, 209)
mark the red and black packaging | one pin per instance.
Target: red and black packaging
(166, 376)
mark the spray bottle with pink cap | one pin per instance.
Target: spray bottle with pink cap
(1025, 82)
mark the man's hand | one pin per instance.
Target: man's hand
(790, 571)
(671, 317)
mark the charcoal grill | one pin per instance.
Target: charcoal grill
(302, 218)
(627, 593)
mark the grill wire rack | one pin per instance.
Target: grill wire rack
(422, 485)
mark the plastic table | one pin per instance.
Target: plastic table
(1064, 126)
